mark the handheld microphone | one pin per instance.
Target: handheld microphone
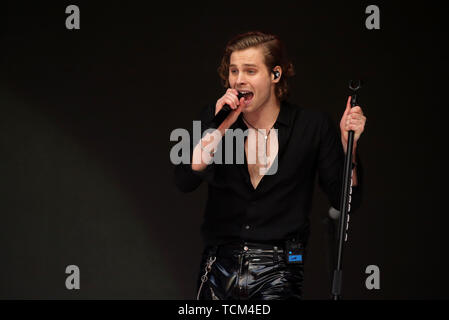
(222, 114)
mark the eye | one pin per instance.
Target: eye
(251, 71)
(233, 71)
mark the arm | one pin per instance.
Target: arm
(201, 167)
(330, 166)
(185, 178)
(206, 147)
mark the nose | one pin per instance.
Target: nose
(241, 78)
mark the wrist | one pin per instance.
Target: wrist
(345, 147)
(208, 150)
(222, 128)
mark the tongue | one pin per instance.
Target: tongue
(248, 96)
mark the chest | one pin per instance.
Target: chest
(260, 152)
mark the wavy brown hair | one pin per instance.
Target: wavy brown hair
(274, 51)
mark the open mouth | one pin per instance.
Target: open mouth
(247, 95)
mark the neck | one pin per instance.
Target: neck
(265, 116)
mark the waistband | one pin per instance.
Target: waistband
(248, 247)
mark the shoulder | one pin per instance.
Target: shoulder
(306, 115)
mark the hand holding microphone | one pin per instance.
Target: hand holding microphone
(228, 108)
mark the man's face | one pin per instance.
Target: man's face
(249, 74)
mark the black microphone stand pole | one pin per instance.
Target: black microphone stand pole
(345, 203)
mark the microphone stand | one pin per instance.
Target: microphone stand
(345, 203)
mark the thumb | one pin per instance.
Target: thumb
(236, 112)
(348, 106)
(242, 105)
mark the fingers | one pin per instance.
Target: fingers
(355, 113)
(242, 104)
(233, 93)
(234, 115)
(356, 117)
(230, 98)
(355, 125)
(225, 100)
(234, 99)
(356, 109)
(356, 129)
(353, 119)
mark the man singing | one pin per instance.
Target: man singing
(254, 217)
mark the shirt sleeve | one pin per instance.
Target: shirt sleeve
(331, 164)
(186, 179)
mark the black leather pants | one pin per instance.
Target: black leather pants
(249, 271)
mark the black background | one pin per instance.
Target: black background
(86, 116)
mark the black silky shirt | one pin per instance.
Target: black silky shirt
(278, 209)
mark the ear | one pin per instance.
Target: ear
(276, 74)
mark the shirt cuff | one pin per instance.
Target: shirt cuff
(205, 174)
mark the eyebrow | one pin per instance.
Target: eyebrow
(245, 65)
